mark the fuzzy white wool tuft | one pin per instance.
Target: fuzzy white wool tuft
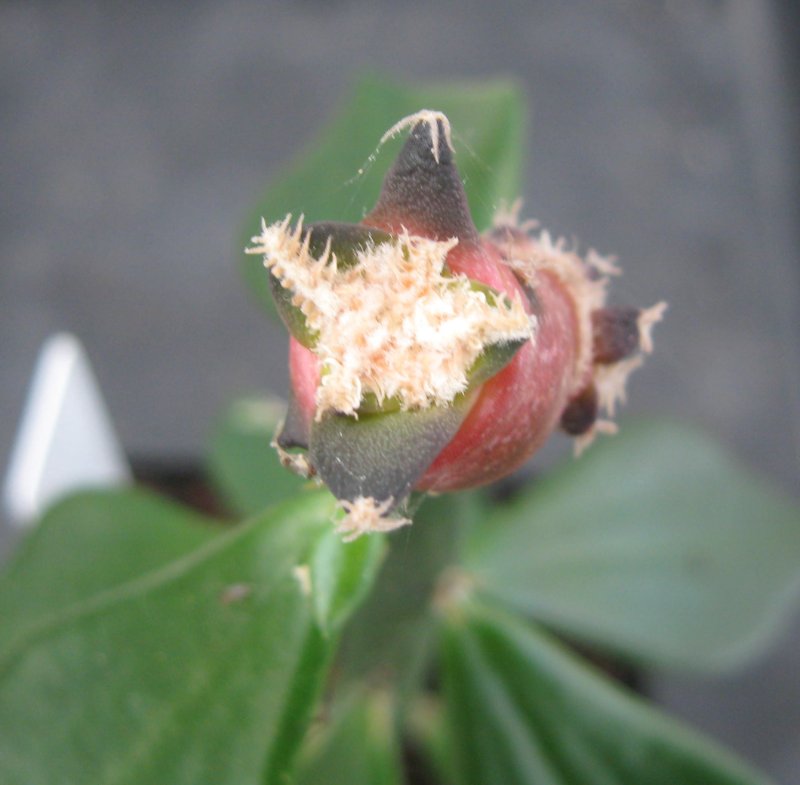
(394, 324)
(364, 515)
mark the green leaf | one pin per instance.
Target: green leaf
(356, 745)
(243, 466)
(523, 710)
(655, 544)
(326, 182)
(140, 644)
(338, 578)
(134, 532)
(429, 737)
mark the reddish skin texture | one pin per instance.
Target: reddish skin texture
(517, 409)
(304, 373)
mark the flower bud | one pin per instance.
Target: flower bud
(424, 356)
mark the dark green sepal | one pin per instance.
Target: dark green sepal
(424, 193)
(382, 456)
(346, 240)
(290, 314)
(492, 360)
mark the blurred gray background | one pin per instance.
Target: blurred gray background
(134, 138)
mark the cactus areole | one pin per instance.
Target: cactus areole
(426, 356)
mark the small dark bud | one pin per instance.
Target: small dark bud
(615, 334)
(581, 412)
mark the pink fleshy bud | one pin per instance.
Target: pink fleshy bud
(424, 356)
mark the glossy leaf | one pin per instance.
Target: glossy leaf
(140, 644)
(354, 744)
(523, 710)
(243, 466)
(338, 179)
(654, 544)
